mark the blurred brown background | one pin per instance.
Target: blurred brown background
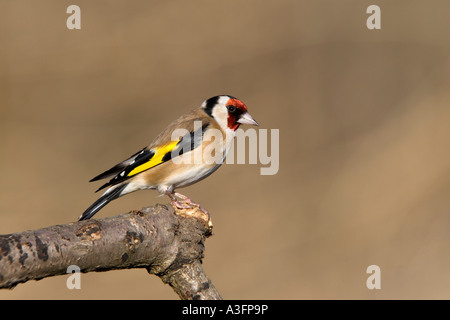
(364, 136)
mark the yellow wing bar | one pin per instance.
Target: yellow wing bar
(157, 158)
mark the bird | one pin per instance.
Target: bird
(188, 150)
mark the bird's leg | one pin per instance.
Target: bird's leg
(189, 201)
(174, 201)
(184, 198)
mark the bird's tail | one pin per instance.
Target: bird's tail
(107, 197)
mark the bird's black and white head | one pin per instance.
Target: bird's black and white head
(228, 111)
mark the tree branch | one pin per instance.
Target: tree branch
(168, 245)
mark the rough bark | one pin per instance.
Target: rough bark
(168, 244)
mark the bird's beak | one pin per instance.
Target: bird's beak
(246, 118)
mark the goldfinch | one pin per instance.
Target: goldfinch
(186, 151)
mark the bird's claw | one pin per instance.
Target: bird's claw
(177, 204)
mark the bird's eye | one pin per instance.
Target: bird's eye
(231, 109)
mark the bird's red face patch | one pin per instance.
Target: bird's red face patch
(235, 109)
